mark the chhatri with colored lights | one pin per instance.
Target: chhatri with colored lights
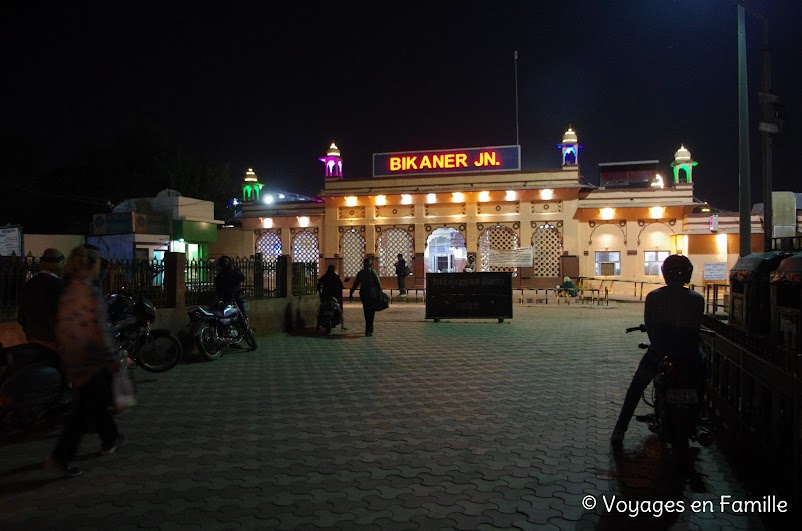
(439, 207)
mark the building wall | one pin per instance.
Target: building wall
(35, 244)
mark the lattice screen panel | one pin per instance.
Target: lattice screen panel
(305, 248)
(498, 237)
(391, 242)
(546, 248)
(269, 244)
(352, 249)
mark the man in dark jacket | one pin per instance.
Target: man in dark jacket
(228, 283)
(369, 285)
(673, 316)
(40, 296)
(401, 273)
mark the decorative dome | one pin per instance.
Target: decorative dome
(250, 175)
(569, 137)
(333, 151)
(168, 192)
(682, 154)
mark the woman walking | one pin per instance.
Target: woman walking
(88, 356)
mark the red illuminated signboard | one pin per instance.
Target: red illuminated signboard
(471, 160)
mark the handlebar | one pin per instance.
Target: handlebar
(641, 328)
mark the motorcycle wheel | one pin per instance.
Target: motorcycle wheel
(250, 340)
(158, 351)
(207, 345)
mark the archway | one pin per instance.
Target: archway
(445, 251)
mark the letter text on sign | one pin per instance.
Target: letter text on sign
(469, 160)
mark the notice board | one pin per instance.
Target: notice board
(469, 295)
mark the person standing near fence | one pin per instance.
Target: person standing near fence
(228, 282)
(40, 296)
(88, 356)
(369, 284)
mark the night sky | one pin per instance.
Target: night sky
(269, 86)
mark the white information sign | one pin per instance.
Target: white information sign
(10, 241)
(510, 257)
(715, 270)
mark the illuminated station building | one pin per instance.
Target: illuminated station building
(438, 207)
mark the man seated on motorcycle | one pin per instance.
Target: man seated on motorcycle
(227, 283)
(40, 296)
(330, 285)
(673, 316)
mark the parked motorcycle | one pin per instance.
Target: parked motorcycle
(329, 314)
(153, 350)
(677, 399)
(218, 328)
(32, 387)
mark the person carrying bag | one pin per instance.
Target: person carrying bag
(370, 293)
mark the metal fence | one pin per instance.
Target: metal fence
(14, 271)
(136, 277)
(304, 278)
(261, 279)
(755, 401)
(146, 277)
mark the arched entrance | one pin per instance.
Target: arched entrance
(445, 251)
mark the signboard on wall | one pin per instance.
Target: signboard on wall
(715, 271)
(510, 257)
(11, 240)
(446, 161)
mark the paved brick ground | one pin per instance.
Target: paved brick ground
(454, 425)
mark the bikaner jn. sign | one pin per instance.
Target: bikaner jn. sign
(471, 160)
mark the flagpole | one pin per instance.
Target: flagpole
(517, 139)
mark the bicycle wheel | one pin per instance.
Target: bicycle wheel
(158, 351)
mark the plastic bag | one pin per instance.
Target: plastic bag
(122, 389)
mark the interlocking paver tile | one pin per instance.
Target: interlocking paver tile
(454, 425)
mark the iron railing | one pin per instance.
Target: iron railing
(261, 279)
(146, 277)
(304, 278)
(14, 272)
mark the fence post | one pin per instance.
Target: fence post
(258, 276)
(175, 288)
(283, 276)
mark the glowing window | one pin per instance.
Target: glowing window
(608, 263)
(652, 260)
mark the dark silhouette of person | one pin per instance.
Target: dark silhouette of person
(401, 273)
(40, 297)
(369, 284)
(227, 284)
(330, 285)
(673, 316)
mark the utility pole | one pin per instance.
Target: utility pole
(744, 203)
